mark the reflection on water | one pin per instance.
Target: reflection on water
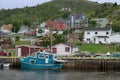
(7, 74)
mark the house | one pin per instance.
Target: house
(97, 35)
(31, 32)
(7, 28)
(23, 29)
(73, 37)
(56, 26)
(25, 50)
(77, 21)
(65, 9)
(43, 28)
(63, 49)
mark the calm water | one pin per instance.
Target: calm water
(7, 74)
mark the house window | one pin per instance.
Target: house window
(107, 33)
(67, 49)
(96, 33)
(105, 39)
(88, 39)
(88, 32)
(94, 39)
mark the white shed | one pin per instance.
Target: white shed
(63, 49)
(115, 38)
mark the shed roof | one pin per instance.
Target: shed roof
(32, 46)
(69, 44)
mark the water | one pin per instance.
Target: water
(16, 74)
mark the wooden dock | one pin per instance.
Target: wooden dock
(78, 63)
(14, 61)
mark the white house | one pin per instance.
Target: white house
(63, 49)
(115, 38)
(97, 35)
(44, 29)
(23, 29)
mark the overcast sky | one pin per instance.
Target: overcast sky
(102, 1)
(19, 3)
(22, 3)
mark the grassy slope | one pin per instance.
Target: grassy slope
(98, 48)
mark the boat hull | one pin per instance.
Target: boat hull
(25, 65)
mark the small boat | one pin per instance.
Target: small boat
(6, 65)
(41, 60)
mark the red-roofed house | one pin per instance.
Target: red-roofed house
(56, 27)
(7, 28)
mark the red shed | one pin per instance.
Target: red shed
(26, 50)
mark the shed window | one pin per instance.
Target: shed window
(67, 49)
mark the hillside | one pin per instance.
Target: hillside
(51, 10)
(43, 12)
(111, 11)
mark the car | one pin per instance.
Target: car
(3, 53)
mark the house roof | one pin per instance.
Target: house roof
(78, 16)
(98, 29)
(3, 34)
(7, 27)
(55, 25)
(69, 44)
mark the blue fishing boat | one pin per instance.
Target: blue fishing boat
(41, 60)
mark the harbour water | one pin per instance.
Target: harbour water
(18, 74)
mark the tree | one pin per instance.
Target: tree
(115, 4)
(46, 41)
(59, 38)
(116, 27)
(26, 22)
(16, 26)
(65, 15)
(40, 31)
(92, 23)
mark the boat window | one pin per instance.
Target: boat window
(55, 56)
(32, 61)
(41, 56)
(47, 56)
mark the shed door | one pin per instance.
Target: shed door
(19, 52)
(54, 50)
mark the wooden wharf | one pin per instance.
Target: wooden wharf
(77, 63)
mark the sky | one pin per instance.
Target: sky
(11, 4)
(102, 1)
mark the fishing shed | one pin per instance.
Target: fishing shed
(24, 50)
